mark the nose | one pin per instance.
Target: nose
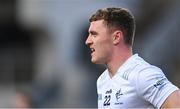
(88, 41)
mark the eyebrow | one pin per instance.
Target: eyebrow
(93, 32)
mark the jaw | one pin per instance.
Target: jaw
(97, 60)
(94, 60)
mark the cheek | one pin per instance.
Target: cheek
(103, 44)
(105, 48)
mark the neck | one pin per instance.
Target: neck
(118, 59)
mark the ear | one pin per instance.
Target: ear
(117, 37)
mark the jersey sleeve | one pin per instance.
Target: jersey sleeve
(153, 86)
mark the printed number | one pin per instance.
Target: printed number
(107, 100)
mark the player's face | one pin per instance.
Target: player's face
(100, 42)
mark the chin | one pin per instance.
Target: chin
(96, 61)
(93, 61)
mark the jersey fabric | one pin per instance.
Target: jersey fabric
(137, 84)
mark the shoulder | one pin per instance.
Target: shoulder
(139, 67)
(148, 75)
(144, 69)
(144, 74)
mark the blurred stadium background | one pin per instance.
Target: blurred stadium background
(43, 58)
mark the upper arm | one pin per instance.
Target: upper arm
(172, 101)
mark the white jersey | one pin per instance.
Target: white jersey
(136, 84)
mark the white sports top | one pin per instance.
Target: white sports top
(137, 84)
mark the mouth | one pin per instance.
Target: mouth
(92, 50)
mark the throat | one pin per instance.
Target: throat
(115, 65)
(112, 73)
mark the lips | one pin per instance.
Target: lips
(92, 50)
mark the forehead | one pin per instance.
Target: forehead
(99, 24)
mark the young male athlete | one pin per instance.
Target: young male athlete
(129, 81)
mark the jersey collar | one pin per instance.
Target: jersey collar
(123, 67)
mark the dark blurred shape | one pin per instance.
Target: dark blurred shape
(7, 11)
(16, 54)
(16, 47)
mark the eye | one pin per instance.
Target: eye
(94, 35)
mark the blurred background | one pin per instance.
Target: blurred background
(44, 61)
